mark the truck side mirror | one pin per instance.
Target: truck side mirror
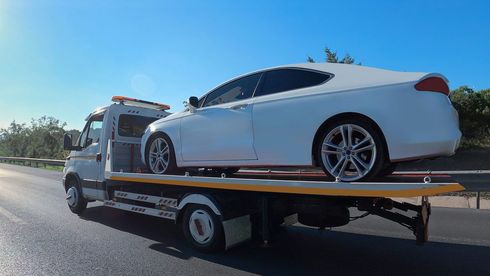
(193, 101)
(68, 144)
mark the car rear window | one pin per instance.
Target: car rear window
(133, 125)
(281, 80)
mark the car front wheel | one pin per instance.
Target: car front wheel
(160, 156)
(351, 150)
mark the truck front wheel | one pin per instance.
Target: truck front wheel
(203, 229)
(74, 197)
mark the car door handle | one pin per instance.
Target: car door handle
(239, 106)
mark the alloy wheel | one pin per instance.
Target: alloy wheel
(159, 156)
(348, 152)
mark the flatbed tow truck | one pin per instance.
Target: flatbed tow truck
(218, 211)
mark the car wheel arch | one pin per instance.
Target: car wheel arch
(152, 136)
(150, 139)
(343, 116)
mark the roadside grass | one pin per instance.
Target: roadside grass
(52, 168)
(483, 195)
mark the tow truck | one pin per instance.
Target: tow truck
(217, 211)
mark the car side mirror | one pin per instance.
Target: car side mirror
(68, 144)
(193, 101)
(90, 141)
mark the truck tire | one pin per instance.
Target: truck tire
(74, 197)
(203, 229)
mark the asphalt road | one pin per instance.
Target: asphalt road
(40, 236)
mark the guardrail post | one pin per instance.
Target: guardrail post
(477, 200)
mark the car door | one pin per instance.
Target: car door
(221, 129)
(285, 119)
(88, 159)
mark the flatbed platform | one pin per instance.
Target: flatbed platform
(307, 185)
(293, 182)
(371, 197)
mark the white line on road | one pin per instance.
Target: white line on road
(11, 216)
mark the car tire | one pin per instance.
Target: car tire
(74, 197)
(360, 159)
(161, 149)
(203, 229)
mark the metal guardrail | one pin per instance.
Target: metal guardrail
(32, 161)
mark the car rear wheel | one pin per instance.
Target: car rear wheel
(351, 150)
(160, 156)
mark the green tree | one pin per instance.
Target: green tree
(474, 113)
(46, 138)
(331, 57)
(14, 139)
(43, 138)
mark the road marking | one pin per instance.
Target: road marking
(11, 216)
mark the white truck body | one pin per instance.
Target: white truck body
(218, 212)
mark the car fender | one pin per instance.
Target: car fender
(171, 128)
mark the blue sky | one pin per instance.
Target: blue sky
(64, 58)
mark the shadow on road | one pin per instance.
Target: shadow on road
(299, 250)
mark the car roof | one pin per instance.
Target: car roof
(346, 75)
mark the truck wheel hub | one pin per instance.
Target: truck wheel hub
(71, 196)
(201, 226)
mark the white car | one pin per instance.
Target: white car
(353, 121)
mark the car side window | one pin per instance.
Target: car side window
(91, 132)
(281, 80)
(240, 89)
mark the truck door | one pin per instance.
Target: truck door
(88, 159)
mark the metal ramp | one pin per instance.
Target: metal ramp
(304, 187)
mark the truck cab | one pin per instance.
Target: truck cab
(122, 124)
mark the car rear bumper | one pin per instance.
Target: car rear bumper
(429, 149)
(432, 130)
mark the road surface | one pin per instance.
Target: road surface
(40, 236)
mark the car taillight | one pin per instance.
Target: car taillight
(433, 84)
